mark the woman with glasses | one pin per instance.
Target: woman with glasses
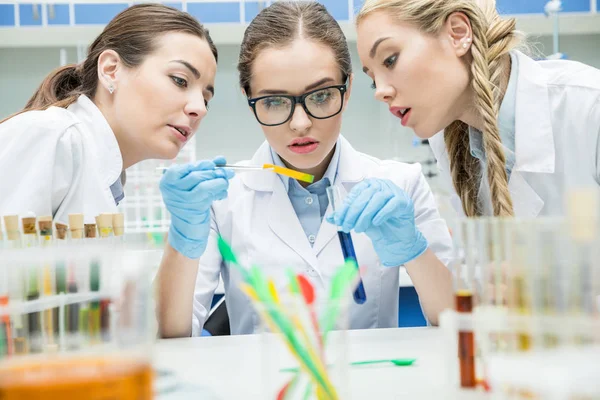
(295, 70)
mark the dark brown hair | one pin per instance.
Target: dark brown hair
(132, 34)
(282, 22)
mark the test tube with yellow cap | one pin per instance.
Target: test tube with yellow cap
(17, 290)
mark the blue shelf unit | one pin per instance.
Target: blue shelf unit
(62, 13)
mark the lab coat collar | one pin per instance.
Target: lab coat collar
(347, 171)
(330, 173)
(109, 153)
(281, 216)
(534, 139)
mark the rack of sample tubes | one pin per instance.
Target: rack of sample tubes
(75, 311)
(526, 322)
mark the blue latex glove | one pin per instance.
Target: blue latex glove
(188, 192)
(386, 214)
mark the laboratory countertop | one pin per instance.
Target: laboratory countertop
(229, 367)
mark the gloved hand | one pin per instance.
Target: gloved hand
(386, 214)
(188, 192)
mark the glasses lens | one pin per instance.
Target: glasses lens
(324, 103)
(273, 110)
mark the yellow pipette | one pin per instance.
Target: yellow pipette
(301, 176)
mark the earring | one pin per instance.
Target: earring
(111, 89)
(465, 45)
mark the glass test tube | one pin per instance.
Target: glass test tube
(17, 279)
(520, 278)
(6, 345)
(105, 227)
(76, 227)
(548, 246)
(50, 316)
(91, 314)
(61, 282)
(335, 199)
(583, 207)
(463, 289)
(34, 322)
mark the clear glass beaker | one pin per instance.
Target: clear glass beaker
(304, 346)
(98, 343)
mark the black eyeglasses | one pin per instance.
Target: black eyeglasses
(321, 103)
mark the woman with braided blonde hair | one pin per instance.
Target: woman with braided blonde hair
(512, 134)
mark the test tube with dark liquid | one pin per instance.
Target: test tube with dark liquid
(463, 295)
(333, 193)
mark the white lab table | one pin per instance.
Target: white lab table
(229, 367)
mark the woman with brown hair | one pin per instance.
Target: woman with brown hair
(140, 94)
(513, 135)
(296, 72)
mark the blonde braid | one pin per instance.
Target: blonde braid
(464, 168)
(487, 101)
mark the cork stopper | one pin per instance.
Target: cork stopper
(76, 225)
(105, 224)
(118, 222)
(90, 230)
(11, 222)
(29, 225)
(45, 225)
(582, 208)
(61, 230)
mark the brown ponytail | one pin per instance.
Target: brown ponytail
(59, 88)
(132, 34)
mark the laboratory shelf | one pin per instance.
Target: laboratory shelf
(79, 23)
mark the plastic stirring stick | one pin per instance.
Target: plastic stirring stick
(308, 293)
(398, 362)
(257, 290)
(275, 324)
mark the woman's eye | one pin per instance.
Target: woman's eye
(373, 85)
(179, 81)
(320, 97)
(390, 61)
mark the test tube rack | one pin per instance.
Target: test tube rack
(109, 314)
(533, 288)
(143, 207)
(564, 371)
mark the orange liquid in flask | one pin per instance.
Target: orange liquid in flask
(85, 378)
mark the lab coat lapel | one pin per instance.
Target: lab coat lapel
(284, 222)
(526, 202)
(282, 218)
(349, 172)
(327, 232)
(534, 139)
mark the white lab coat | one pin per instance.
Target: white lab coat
(59, 161)
(557, 132)
(258, 220)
